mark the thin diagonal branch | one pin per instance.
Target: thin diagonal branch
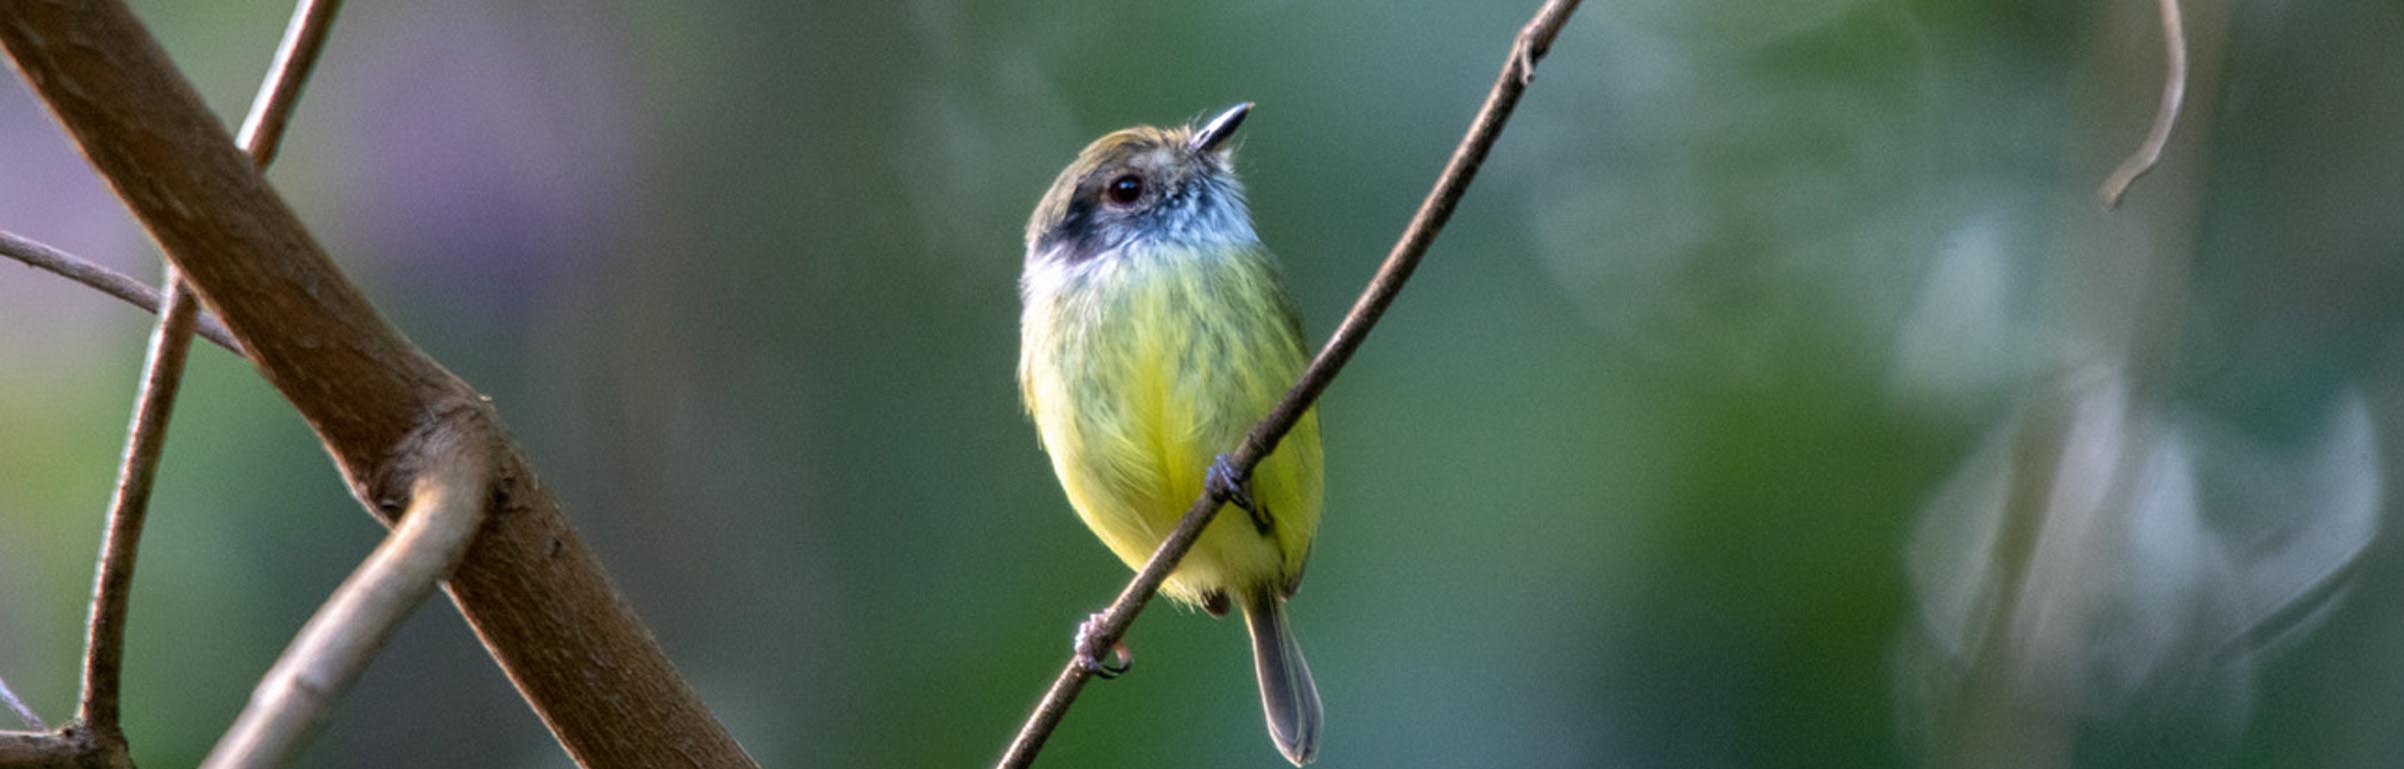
(2174, 91)
(292, 701)
(262, 132)
(36, 254)
(104, 638)
(1533, 42)
(17, 706)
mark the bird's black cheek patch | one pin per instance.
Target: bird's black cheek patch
(1083, 231)
(1073, 240)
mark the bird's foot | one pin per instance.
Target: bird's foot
(1089, 650)
(1228, 484)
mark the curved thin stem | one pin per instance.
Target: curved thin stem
(104, 633)
(1533, 42)
(38, 255)
(326, 658)
(2174, 91)
(170, 341)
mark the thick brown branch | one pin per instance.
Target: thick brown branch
(533, 593)
(117, 284)
(2174, 90)
(1518, 70)
(325, 659)
(70, 747)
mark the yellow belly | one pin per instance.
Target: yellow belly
(1138, 372)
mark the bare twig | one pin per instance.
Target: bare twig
(1533, 42)
(262, 132)
(104, 638)
(534, 594)
(104, 634)
(2174, 90)
(17, 706)
(446, 508)
(117, 284)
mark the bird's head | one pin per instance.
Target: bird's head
(1145, 185)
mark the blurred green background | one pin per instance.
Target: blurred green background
(1670, 456)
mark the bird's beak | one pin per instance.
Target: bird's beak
(1215, 132)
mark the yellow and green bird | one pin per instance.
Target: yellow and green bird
(1156, 330)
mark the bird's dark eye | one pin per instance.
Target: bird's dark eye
(1125, 189)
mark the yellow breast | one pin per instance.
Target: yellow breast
(1138, 369)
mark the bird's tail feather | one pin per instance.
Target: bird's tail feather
(1286, 691)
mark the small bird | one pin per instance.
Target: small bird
(1155, 331)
